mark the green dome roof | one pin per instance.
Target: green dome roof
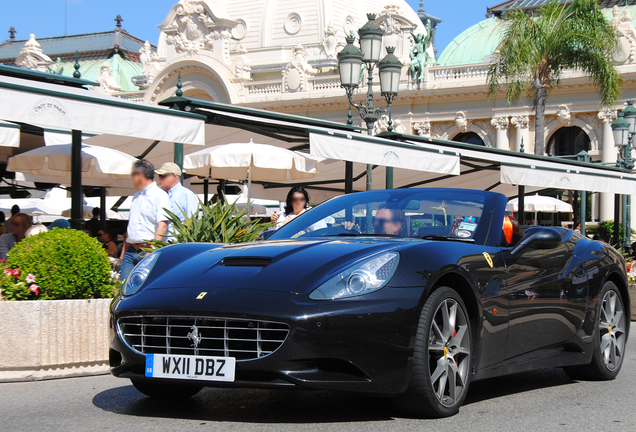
(123, 70)
(475, 44)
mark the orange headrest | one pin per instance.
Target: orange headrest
(507, 229)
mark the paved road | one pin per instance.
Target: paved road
(536, 401)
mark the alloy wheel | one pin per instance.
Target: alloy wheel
(449, 352)
(612, 330)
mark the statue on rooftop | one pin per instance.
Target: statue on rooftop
(419, 55)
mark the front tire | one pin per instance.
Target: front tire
(161, 390)
(610, 339)
(442, 359)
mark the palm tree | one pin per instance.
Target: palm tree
(537, 47)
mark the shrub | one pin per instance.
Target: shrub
(605, 230)
(217, 223)
(55, 265)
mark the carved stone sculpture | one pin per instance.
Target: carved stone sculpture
(382, 125)
(107, 84)
(329, 42)
(622, 23)
(243, 66)
(500, 123)
(32, 57)
(521, 122)
(564, 115)
(423, 128)
(150, 62)
(297, 70)
(460, 121)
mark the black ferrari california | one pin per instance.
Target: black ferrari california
(409, 294)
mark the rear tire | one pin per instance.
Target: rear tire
(609, 339)
(442, 359)
(165, 390)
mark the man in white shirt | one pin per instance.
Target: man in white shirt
(184, 203)
(148, 219)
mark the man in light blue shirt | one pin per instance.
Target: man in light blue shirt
(148, 218)
(183, 202)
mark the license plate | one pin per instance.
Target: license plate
(190, 367)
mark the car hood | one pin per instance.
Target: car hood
(287, 265)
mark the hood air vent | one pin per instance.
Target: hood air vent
(246, 261)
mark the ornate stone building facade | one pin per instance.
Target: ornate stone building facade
(281, 55)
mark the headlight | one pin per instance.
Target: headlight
(139, 274)
(362, 278)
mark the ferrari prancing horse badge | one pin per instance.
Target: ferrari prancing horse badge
(488, 259)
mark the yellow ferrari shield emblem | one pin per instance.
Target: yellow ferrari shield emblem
(200, 296)
(488, 259)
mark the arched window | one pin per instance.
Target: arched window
(469, 138)
(568, 141)
(196, 93)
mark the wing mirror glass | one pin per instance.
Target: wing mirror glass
(266, 234)
(537, 239)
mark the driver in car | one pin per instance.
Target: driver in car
(387, 221)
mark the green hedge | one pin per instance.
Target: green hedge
(55, 265)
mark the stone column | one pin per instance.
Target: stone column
(608, 157)
(522, 124)
(501, 123)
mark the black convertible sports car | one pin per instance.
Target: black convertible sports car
(410, 294)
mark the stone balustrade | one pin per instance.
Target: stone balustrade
(264, 88)
(454, 73)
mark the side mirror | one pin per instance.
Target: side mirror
(538, 238)
(266, 234)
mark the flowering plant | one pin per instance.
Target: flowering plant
(17, 286)
(57, 265)
(631, 273)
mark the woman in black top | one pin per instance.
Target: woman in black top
(103, 235)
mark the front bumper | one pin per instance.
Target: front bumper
(363, 344)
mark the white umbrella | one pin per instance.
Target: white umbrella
(537, 203)
(101, 166)
(30, 206)
(241, 161)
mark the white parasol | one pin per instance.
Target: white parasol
(251, 162)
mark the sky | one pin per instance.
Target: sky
(47, 17)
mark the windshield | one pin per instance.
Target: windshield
(416, 213)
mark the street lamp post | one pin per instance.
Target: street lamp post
(624, 129)
(350, 61)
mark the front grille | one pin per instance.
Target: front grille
(219, 337)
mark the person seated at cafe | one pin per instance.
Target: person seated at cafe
(92, 225)
(3, 227)
(103, 235)
(20, 223)
(60, 223)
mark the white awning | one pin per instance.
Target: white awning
(536, 172)
(569, 179)
(376, 151)
(66, 108)
(9, 134)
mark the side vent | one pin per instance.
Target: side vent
(246, 261)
